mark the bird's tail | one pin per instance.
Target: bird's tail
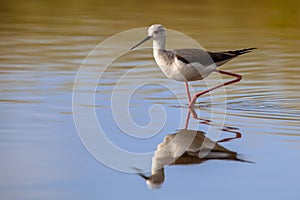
(241, 51)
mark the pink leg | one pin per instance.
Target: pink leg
(188, 91)
(237, 79)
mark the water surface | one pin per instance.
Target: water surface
(43, 44)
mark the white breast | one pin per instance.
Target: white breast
(180, 71)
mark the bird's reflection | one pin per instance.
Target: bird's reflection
(186, 147)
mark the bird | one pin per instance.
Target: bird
(189, 64)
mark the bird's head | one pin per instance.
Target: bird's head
(155, 32)
(152, 181)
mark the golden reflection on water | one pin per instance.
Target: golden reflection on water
(41, 36)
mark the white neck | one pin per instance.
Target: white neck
(159, 44)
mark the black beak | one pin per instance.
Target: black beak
(137, 169)
(143, 176)
(141, 42)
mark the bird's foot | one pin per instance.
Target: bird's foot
(192, 102)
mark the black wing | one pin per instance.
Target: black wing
(206, 58)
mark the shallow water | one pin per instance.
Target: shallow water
(43, 45)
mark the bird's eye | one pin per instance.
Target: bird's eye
(155, 32)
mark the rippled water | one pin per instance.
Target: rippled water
(44, 43)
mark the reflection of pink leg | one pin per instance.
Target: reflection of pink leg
(187, 120)
(195, 116)
(230, 130)
(237, 79)
(188, 91)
